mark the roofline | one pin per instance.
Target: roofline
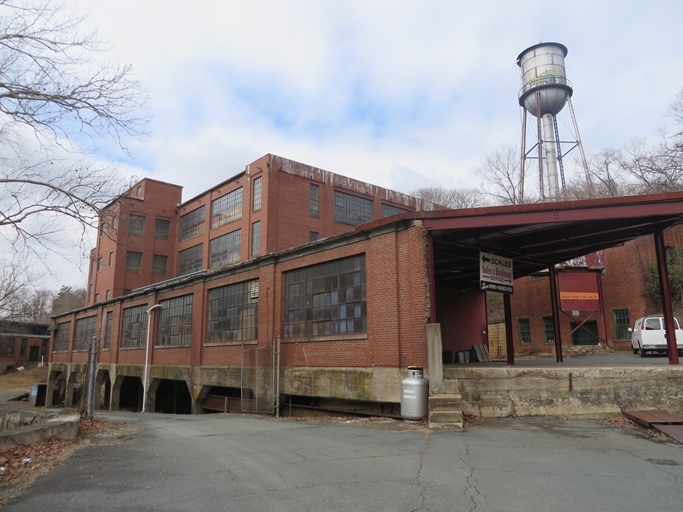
(620, 204)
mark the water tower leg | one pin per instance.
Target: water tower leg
(551, 157)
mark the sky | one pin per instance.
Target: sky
(402, 94)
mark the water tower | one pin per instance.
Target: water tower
(545, 91)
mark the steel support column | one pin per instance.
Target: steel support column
(556, 313)
(665, 291)
(508, 329)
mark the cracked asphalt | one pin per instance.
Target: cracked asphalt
(247, 463)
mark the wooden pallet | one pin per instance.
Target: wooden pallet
(482, 352)
(650, 418)
(668, 424)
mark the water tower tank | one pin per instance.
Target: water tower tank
(543, 72)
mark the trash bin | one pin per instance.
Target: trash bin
(414, 395)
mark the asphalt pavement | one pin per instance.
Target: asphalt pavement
(249, 463)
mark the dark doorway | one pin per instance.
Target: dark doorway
(173, 397)
(587, 334)
(131, 394)
(33, 353)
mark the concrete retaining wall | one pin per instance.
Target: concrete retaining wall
(500, 392)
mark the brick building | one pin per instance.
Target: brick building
(23, 344)
(625, 283)
(327, 301)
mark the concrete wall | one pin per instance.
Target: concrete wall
(500, 392)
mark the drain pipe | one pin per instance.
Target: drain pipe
(144, 379)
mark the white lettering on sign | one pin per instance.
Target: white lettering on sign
(495, 273)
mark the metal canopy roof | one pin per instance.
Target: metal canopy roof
(537, 236)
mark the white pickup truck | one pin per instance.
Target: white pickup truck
(648, 334)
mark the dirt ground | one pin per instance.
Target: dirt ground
(21, 381)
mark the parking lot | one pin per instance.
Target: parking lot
(248, 463)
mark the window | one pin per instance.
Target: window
(107, 331)
(326, 299)
(256, 191)
(524, 331)
(92, 293)
(159, 264)
(313, 236)
(134, 327)
(62, 337)
(133, 261)
(175, 321)
(8, 346)
(97, 298)
(621, 324)
(233, 313)
(548, 329)
(111, 259)
(256, 239)
(23, 347)
(192, 224)
(162, 229)
(313, 204)
(190, 260)
(93, 267)
(138, 191)
(227, 208)
(44, 348)
(107, 295)
(136, 225)
(85, 330)
(388, 210)
(99, 264)
(352, 209)
(225, 249)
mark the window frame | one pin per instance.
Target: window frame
(351, 209)
(621, 329)
(314, 200)
(174, 326)
(155, 268)
(130, 265)
(326, 300)
(548, 330)
(192, 223)
(191, 258)
(256, 239)
(85, 330)
(136, 224)
(134, 327)
(257, 194)
(227, 208)
(524, 331)
(162, 233)
(62, 337)
(232, 314)
(225, 249)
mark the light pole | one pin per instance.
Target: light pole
(149, 331)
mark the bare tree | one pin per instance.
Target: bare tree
(500, 175)
(609, 178)
(457, 198)
(58, 100)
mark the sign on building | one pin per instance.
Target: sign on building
(495, 273)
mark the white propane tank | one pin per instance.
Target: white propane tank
(414, 395)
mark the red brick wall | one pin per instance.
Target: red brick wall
(397, 310)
